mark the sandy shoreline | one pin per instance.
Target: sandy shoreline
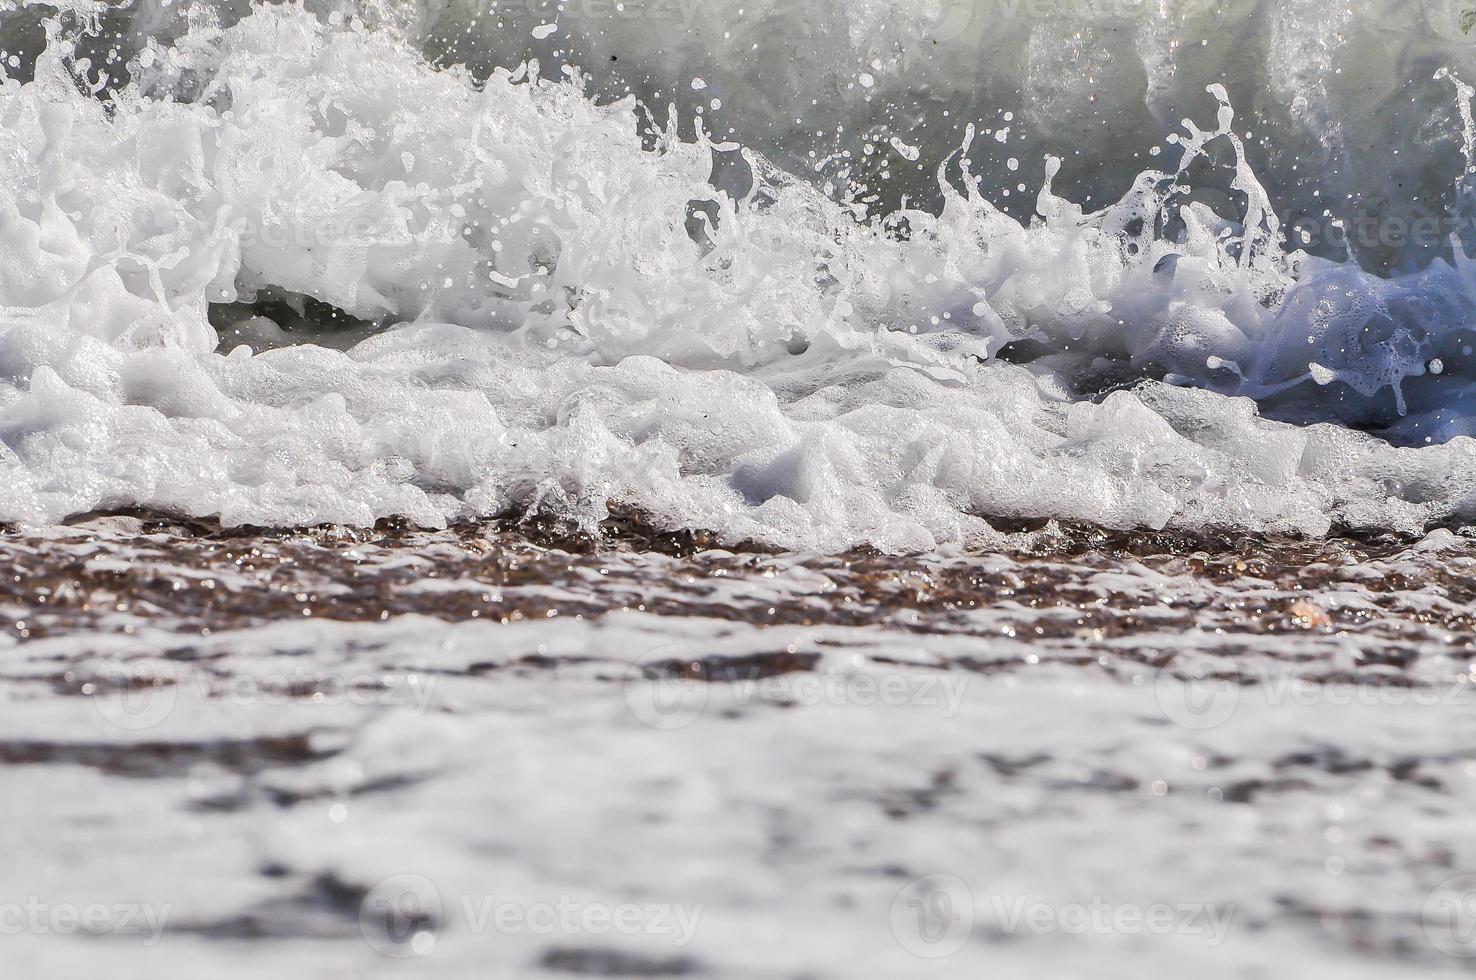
(1066, 584)
(367, 747)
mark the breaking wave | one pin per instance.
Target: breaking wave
(289, 264)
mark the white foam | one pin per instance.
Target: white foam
(577, 319)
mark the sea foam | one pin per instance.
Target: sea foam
(287, 271)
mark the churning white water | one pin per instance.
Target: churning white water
(334, 264)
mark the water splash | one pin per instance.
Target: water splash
(546, 302)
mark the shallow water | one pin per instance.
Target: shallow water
(352, 748)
